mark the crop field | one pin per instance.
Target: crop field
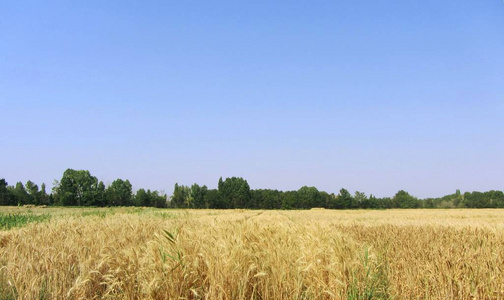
(146, 253)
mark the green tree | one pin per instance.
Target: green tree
(266, 199)
(290, 200)
(198, 196)
(158, 200)
(344, 200)
(76, 188)
(496, 198)
(43, 196)
(458, 198)
(20, 194)
(33, 192)
(428, 203)
(235, 191)
(375, 203)
(331, 201)
(5, 196)
(142, 198)
(403, 199)
(99, 195)
(214, 199)
(361, 200)
(181, 197)
(309, 197)
(489, 199)
(119, 193)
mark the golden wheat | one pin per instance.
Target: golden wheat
(207, 254)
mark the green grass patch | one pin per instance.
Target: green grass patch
(8, 221)
(372, 282)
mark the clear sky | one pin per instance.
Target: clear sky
(374, 96)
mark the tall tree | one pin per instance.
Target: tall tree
(4, 193)
(20, 195)
(119, 193)
(344, 200)
(142, 198)
(235, 191)
(403, 199)
(181, 196)
(309, 197)
(289, 200)
(158, 200)
(198, 195)
(76, 188)
(43, 197)
(99, 195)
(214, 199)
(361, 200)
(33, 192)
(266, 199)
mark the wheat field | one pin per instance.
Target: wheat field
(145, 253)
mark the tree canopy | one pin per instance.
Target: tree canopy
(80, 188)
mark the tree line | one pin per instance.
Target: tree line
(235, 193)
(80, 188)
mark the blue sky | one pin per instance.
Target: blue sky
(374, 96)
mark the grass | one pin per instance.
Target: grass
(8, 221)
(374, 284)
(144, 253)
